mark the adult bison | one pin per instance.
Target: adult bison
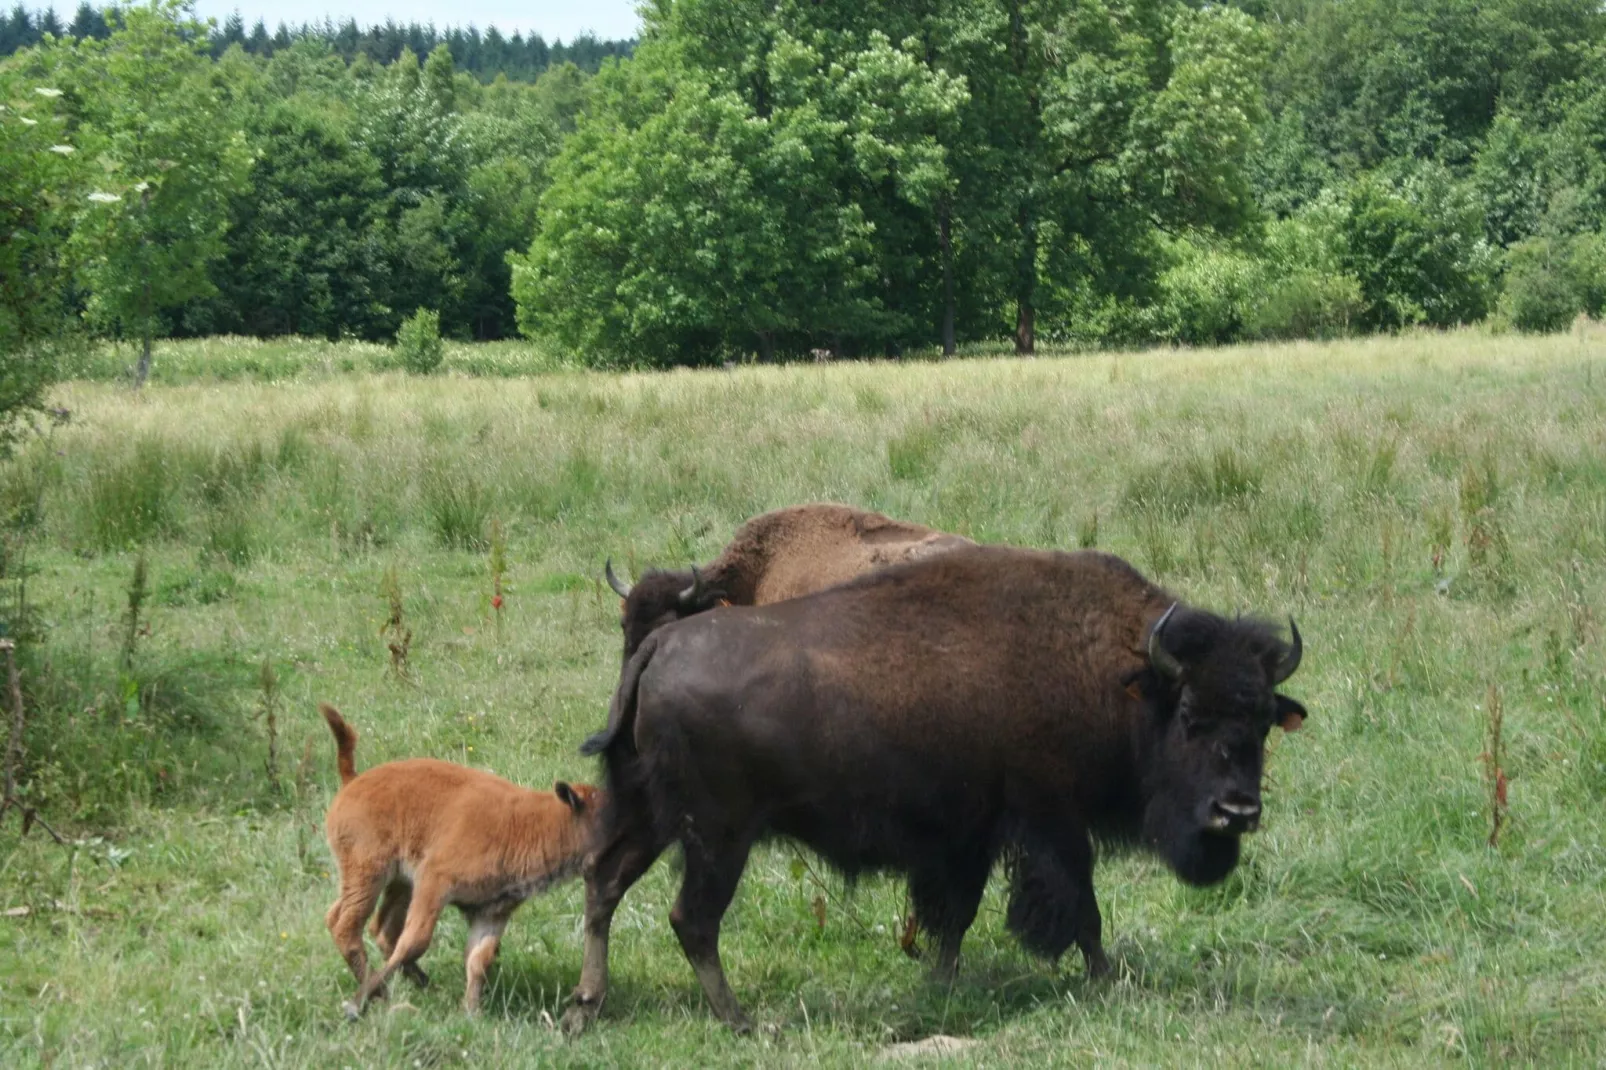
(777, 555)
(929, 719)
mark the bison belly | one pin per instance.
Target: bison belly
(767, 750)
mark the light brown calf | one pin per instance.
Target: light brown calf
(426, 833)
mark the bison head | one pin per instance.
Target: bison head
(660, 597)
(1210, 689)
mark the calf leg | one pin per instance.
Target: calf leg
(429, 896)
(484, 938)
(628, 851)
(388, 923)
(705, 894)
(359, 891)
(946, 898)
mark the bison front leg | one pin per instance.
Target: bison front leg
(1051, 900)
(1090, 930)
(946, 898)
(705, 894)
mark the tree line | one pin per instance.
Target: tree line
(482, 54)
(768, 178)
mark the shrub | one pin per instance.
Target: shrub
(1303, 290)
(1550, 280)
(418, 342)
(1206, 293)
(1418, 249)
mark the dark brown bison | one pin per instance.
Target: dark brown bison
(777, 555)
(931, 719)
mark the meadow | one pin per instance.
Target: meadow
(207, 559)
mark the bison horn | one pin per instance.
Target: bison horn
(620, 588)
(1290, 662)
(1165, 663)
(690, 596)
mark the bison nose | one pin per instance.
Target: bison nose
(1235, 812)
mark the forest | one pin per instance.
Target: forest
(766, 180)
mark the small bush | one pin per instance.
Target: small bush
(1206, 294)
(418, 343)
(1551, 279)
(129, 497)
(1417, 248)
(913, 455)
(458, 511)
(1227, 477)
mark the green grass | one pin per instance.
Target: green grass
(275, 360)
(1370, 923)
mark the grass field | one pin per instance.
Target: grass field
(1431, 508)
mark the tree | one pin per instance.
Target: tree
(724, 190)
(40, 182)
(169, 164)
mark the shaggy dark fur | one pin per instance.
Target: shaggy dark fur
(927, 719)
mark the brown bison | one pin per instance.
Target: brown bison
(931, 719)
(777, 555)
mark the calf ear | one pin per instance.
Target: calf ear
(1290, 714)
(568, 796)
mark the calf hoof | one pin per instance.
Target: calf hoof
(416, 975)
(351, 1010)
(578, 1018)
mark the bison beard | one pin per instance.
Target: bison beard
(929, 719)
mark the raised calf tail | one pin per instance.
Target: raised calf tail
(622, 711)
(345, 742)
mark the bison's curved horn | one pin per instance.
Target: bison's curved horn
(620, 588)
(691, 595)
(1165, 663)
(1290, 662)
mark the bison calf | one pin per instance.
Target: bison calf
(426, 833)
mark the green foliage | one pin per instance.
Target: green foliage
(168, 162)
(40, 184)
(818, 177)
(1418, 249)
(418, 342)
(1551, 279)
(868, 180)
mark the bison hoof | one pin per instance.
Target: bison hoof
(1098, 967)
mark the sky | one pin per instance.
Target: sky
(552, 19)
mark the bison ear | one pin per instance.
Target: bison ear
(1290, 714)
(568, 796)
(1146, 685)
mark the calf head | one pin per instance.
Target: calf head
(1210, 691)
(660, 597)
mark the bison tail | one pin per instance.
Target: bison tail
(622, 711)
(345, 742)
